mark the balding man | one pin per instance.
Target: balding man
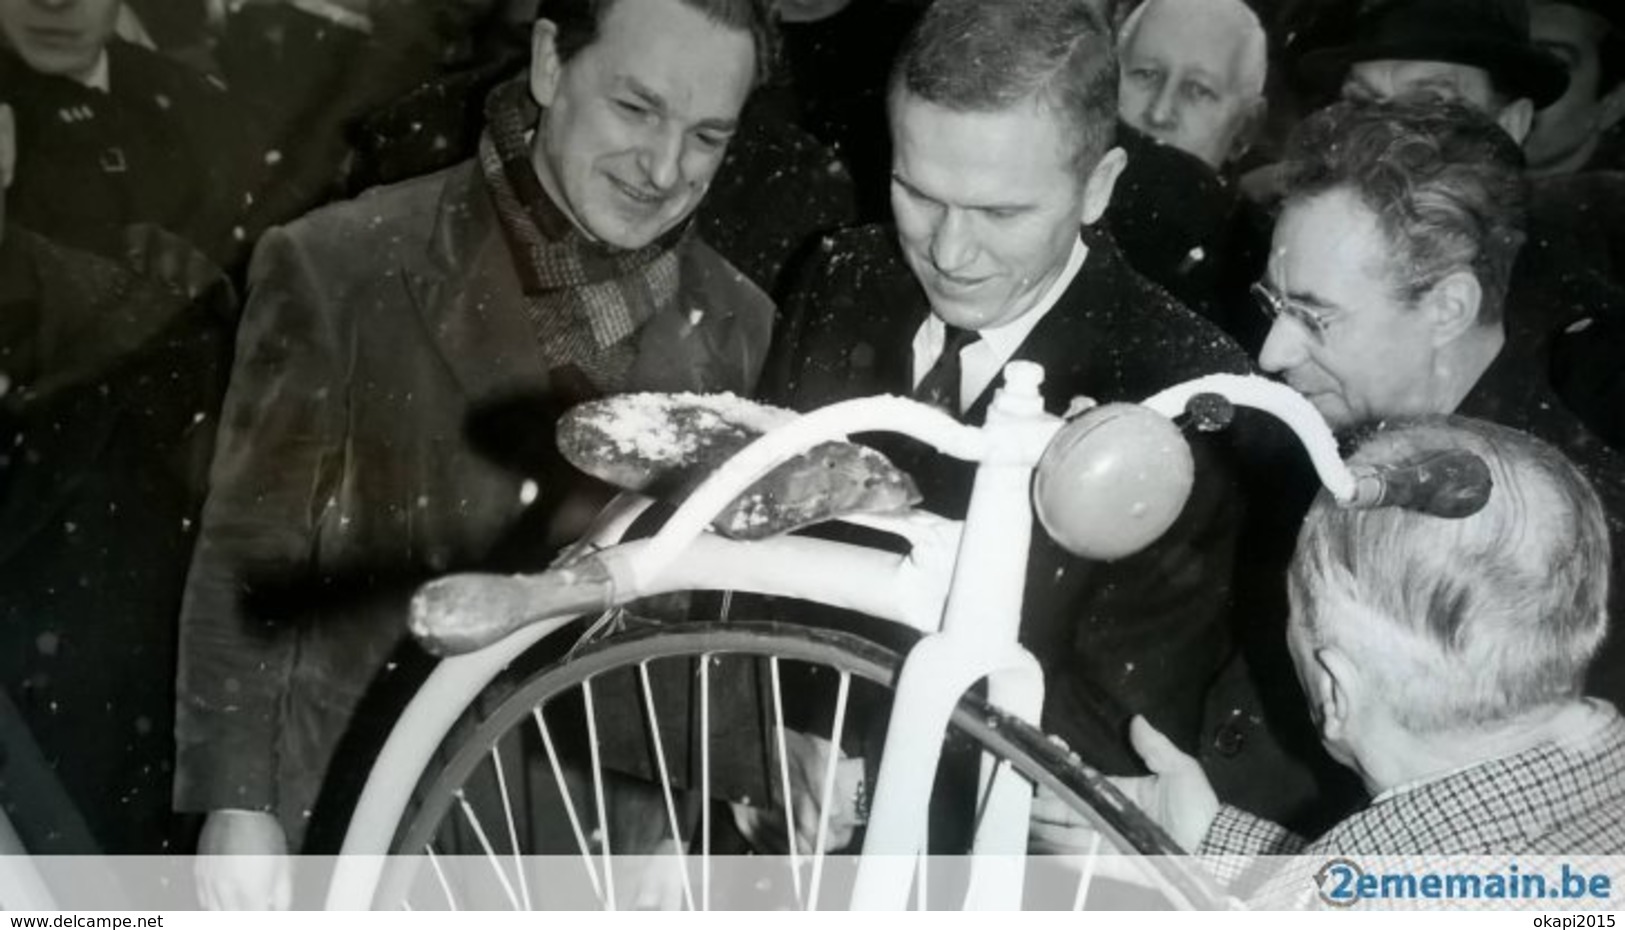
(1443, 662)
(1193, 75)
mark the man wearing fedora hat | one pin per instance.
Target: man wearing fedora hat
(1581, 131)
(1483, 54)
(1474, 52)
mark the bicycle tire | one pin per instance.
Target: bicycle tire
(1036, 757)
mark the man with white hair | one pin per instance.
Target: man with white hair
(1443, 661)
(1193, 75)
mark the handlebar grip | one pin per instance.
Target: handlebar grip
(1453, 484)
(462, 613)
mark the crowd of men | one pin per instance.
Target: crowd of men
(294, 290)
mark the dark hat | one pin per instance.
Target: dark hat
(1488, 34)
(1611, 10)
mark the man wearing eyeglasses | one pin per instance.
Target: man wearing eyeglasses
(1388, 274)
(1386, 283)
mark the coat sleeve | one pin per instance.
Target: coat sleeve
(1236, 839)
(276, 465)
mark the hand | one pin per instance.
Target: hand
(1177, 794)
(242, 862)
(808, 763)
(654, 882)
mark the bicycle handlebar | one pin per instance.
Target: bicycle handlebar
(455, 615)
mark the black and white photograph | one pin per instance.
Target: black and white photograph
(743, 455)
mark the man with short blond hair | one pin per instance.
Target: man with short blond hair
(1003, 124)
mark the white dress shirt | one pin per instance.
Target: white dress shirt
(981, 361)
(101, 75)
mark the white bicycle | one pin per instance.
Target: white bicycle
(513, 781)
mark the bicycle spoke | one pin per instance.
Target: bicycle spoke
(705, 781)
(987, 778)
(665, 782)
(513, 831)
(598, 795)
(784, 781)
(473, 821)
(439, 873)
(827, 794)
(1088, 876)
(569, 802)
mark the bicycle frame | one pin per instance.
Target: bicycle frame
(967, 601)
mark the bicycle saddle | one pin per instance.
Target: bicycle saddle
(665, 445)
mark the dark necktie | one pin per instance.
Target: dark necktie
(940, 386)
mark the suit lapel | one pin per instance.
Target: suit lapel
(897, 366)
(467, 296)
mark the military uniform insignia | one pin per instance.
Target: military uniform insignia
(113, 161)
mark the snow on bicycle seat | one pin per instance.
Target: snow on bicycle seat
(664, 445)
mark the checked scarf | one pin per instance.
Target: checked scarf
(585, 299)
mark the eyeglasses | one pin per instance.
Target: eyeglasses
(1274, 304)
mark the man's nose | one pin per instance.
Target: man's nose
(662, 159)
(952, 246)
(1161, 111)
(1285, 348)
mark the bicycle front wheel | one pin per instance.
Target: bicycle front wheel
(643, 769)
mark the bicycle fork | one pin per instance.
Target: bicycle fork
(978, 640)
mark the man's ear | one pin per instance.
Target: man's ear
(1097, 191)
(544, 62)
(1516, 118)
(1251, 126)
(1452, 306)
(1337, 690)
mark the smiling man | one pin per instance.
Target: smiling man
(1002, 120)
(402, 356)
(1387, 277)
(1193, 75)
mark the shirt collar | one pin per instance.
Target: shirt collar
(1005, 339)
(1585, 724)
(100, 76)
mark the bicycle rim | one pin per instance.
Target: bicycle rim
(531, 806)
